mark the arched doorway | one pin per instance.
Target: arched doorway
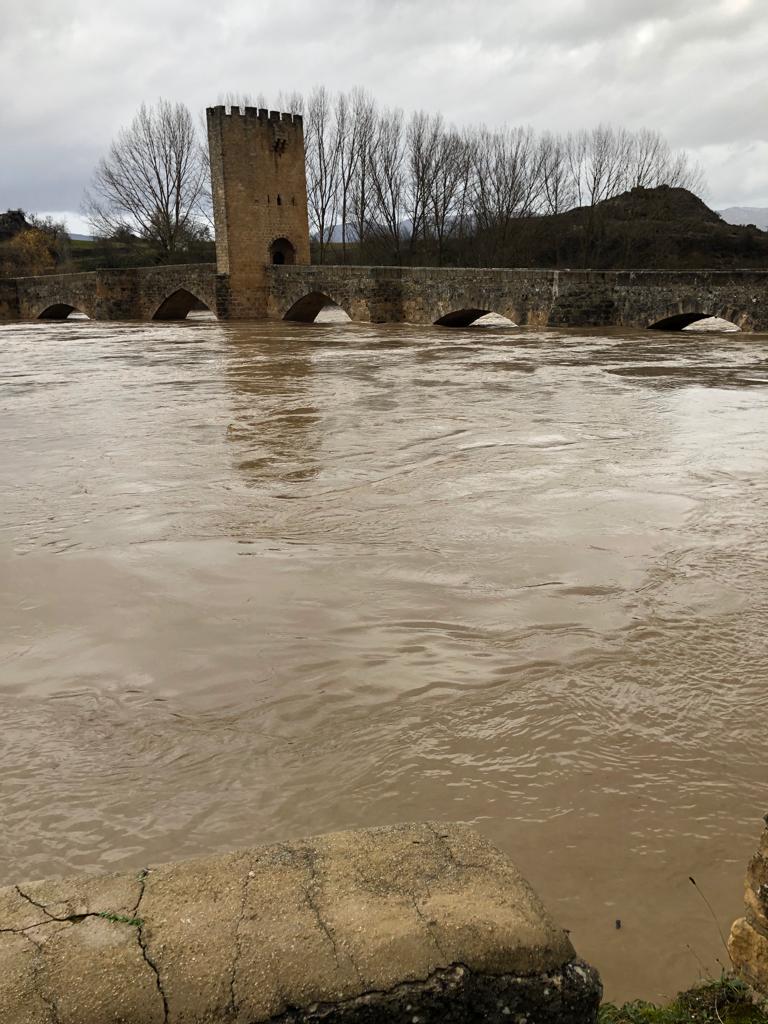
(282, 251)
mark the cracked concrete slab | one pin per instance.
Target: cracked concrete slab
(419, 922)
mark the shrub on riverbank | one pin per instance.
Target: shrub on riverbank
(726, 1001)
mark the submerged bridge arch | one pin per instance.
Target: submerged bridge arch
(299, 293)
(179, 303)
(678, 316)
(468, 317)
(55, 296)
(461, 304)
(305, 309)
(60, 311)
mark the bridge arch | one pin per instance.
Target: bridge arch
(723, 320)
(178, 305)
(306, 309)
(60, 311)
(472, 315)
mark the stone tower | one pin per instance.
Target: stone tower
(259, 202)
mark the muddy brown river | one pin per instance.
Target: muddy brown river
(261, 581)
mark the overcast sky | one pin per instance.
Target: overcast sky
(72, 72)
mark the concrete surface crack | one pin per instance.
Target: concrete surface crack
(37, 969)
(311, 903)
(450, 858)
(143, 945)
(249, 874)
(41, 906)
(65, 918)
(429, 926)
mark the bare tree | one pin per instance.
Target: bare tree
(557, 190)
(353, 114)
(607, 163)
(241, 100)
(289, 102)
(679, 172)
(152, 181)
(649, 153)
(504, 183)
(387, 175)
(448, 191)
(423, 135)
(360, 188)
(323, 144)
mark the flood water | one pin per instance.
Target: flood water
(262, 581)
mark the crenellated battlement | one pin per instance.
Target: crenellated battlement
(254, 113)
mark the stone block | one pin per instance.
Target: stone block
(414, 923)
(748, 941)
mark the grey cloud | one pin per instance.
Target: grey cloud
(72, 73)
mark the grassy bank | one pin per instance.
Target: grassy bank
(725, 1001)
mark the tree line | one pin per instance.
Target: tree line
(383, 186)
(415, 189)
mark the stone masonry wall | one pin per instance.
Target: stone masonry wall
(561, 298)
(259, 197)
(421, 295)
(748, 942)
(9, 301)
(133, 294)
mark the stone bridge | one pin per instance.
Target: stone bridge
(419, 295)
(263, 269)
(139, 293)
(554, 298)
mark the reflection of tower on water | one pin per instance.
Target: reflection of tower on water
(274, 426)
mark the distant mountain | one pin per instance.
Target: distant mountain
(757, 215)
(81, 238)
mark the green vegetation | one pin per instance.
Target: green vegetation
(120, 918)
(31, 245)
(128, 251)
(726, 1001)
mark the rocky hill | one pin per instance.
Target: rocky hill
(665, 228)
